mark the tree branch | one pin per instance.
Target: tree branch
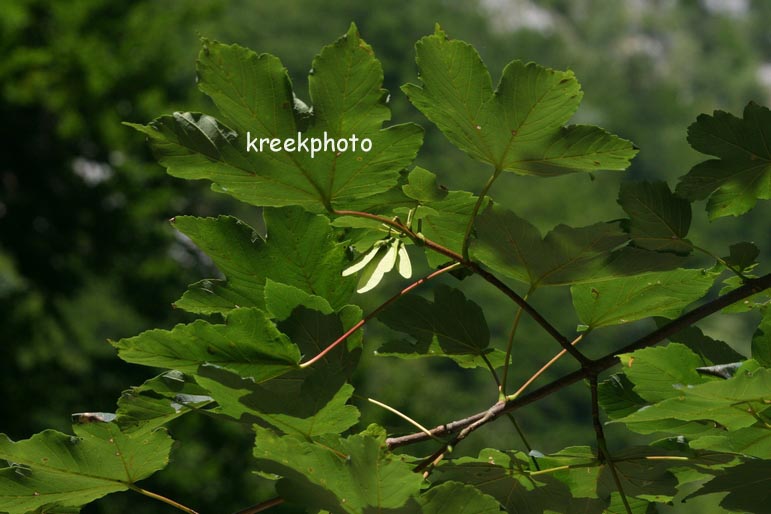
(750, 288)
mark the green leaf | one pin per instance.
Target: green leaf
(299, 251)
(758, 301)
(248, 344)
(52, 468)
(710, 350)
(649, 479)
(730, 403)
(742, 174)
(306, 401)
(750, 441)
(457, 498)
(742, 257)
(422, 186)
(519, 126)
(335, 473)
(660, 372)
(628, 299)
(442, 215)
(293, 404)
(761, 340)
(450, 326)
(158, 401)
(505, 476)
(748, 486)
(254, 94)
(512, 246)
(281, 300)
(658, 219)
(617, 397)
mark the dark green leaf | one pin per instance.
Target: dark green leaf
(519, 126)
(158, 401)
(450, 326)
(443, 215)
(742, 174)
(506, 477)
(628, 299)
(742, 257)
(710, 350)
(617, 397)
(761, 341)
(292, 404)
(52, 468)
(512, 246)
(748, 486)
(658, 219)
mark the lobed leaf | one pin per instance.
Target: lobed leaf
(299, 251)
(53, 471)
(248, 344)
(255, 97)
(742, 174)
(338, 474)
(659, 220)
(731, 403)
(450, 326)
(519, 126)
(512, 246)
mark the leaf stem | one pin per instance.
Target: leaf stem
(401, 415)
(160, 498)
(602, 446)
(474, 212)
(721, 261)
(377, 311)
(262, 506)
(509, 346)
(541, 371)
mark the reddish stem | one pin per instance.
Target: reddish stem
(377, 311)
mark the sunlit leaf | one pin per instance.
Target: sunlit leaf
(248, 344)
(254, 94)
(519, 126)
(299, 251)
(56, 468)
(628, 299)
(731, 403)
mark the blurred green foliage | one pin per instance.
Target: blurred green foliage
(85, 254)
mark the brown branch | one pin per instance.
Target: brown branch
(750, 288)
(486, 275)
(261, 507)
